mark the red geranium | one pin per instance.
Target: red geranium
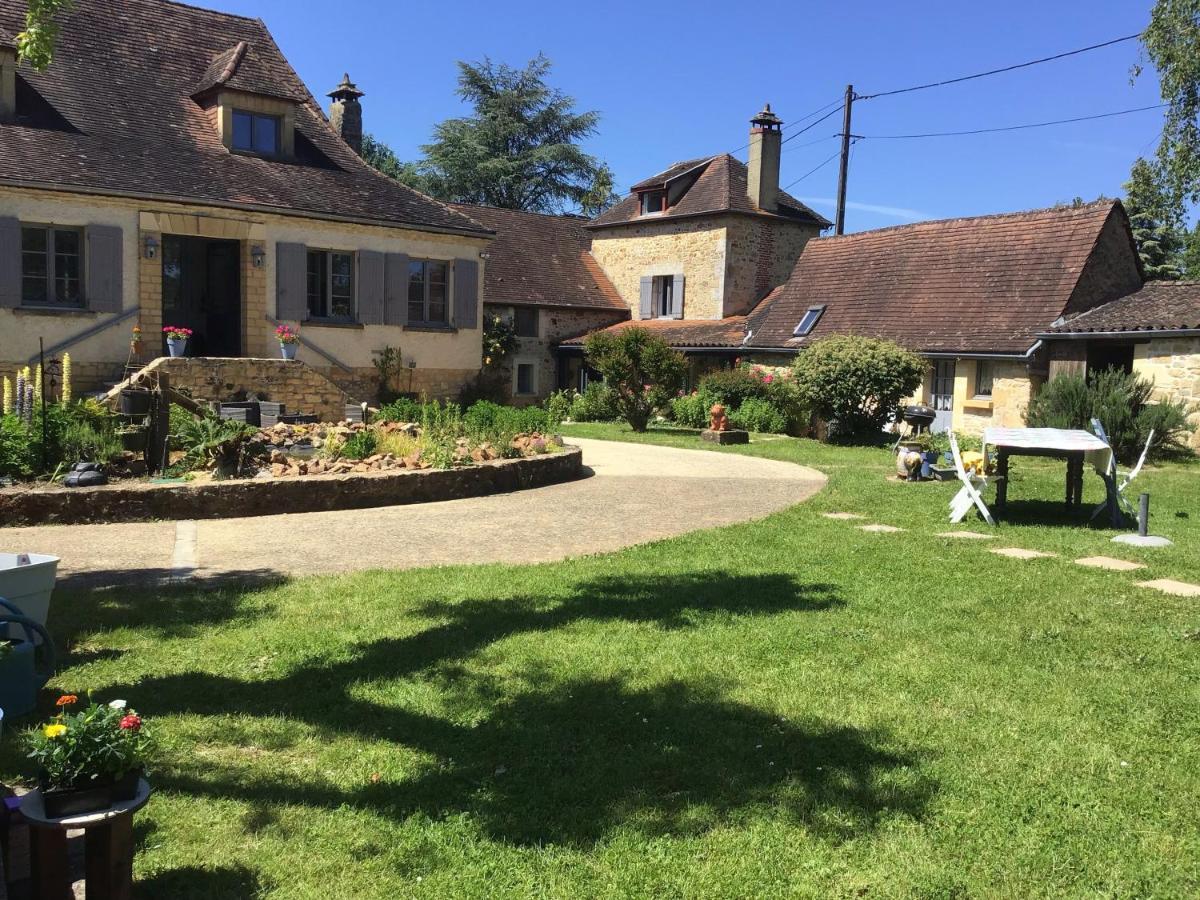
(131, 722)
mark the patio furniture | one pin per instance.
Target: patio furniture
(1114, 481)
(971, 492)
(1074, 445)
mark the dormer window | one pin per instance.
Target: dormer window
(256, 132)
(808, 321)
(653, 202)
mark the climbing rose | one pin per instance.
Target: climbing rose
(131, 722)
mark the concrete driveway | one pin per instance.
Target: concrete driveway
(633, 493)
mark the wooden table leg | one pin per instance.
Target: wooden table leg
(51, 874)
(109, 860)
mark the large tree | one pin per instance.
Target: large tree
(1158, 244)
(519, 150)
(1172, 44)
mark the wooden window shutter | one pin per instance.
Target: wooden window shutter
(10, 261)
(291, 282)
(677, 296)
(102, 268)
(646, 307)
(371, 298)
(396, 289)
(466, 293)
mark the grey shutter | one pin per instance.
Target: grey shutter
(466, 293)
(370, 287)
(102, 268)
(291, 280)
(396, 289)
(677, 296)
(646, 309)
(10, 261)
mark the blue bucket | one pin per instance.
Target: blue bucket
(26, 666)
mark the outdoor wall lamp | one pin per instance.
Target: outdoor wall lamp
(151, 246)
(258, 254)
(483, 254)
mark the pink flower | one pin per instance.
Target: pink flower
(131, 722)
(767, 379)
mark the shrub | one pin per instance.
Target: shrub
(223, 445)
(389, 363)
(732, 387)
(692, 410)
(558, 408)
(1121, 401)
(640, 368)
(359, 445)
(759, 415)
(499, 424)
(596, 404)
(855, 383)
(402, 409)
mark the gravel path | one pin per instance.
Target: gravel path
(633, 493)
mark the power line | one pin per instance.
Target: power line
(815, 112)
(1032, 62)
(932, 134)
(811, 143)
(815, 168)
(812, 124)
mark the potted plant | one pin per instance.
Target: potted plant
(135, 342)
(930, 448)
(177, 338)
(91, 759)
(288, 341)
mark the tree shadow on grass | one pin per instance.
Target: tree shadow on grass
(200, 883)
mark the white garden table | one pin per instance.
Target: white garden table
(1074, 445)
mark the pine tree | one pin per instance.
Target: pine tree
(1158, 244)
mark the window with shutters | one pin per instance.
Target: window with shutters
(427, 292)
(663, 294)
(525, 322)
(256, 133)
(51, 266)
(331, 285)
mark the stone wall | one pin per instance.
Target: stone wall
(695, 247)
(1012, 389)
(1174, 366)
(1111, 270)
(313, 493)
(760, 256)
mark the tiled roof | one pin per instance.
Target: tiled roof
(541, 260)
(987, 284)
(1158, 306)
(674, 171)
(6, 39)
(717, 334)
(720, 186)
(123, 78)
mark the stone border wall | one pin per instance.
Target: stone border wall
(308, 493)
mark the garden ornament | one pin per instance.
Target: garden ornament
(718, 421)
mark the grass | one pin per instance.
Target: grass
(785, 707)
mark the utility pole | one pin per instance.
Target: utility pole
(840, 226)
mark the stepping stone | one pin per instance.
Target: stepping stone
(1107, 562)
(880, 529)
(970, 535)
(1170, 586)
(1022, 553)
(1142, 540)
(842, 516)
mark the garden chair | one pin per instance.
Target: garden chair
(1114, 481)
(971, 492)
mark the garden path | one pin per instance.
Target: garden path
(635, 493)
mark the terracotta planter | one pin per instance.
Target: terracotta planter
(98, 795)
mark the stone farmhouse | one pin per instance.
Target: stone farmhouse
(209, 189)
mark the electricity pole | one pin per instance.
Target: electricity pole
(840, 226)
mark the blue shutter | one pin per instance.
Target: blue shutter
(466, 293)
(10, 261)
(370, 287)
(291, 282)
(646, 307)
(102, 268)
(396, 289)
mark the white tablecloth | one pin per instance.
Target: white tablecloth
(1095, 451)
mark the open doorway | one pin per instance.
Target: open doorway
(201, 290)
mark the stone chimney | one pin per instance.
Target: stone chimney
(345, 114)
(762, 185)
(8, 81)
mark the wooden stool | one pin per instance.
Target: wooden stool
(107, 845)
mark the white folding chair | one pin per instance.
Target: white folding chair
(1116, 482)
(971, 492)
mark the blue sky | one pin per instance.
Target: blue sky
(674, 81)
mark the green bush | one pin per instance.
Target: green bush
(640, 369)
(558, 407)
(402, 409)
(70, 433)
(1121, 401)
(759, 415)
(227, 447)
(732, 387)
(596, 404)
(499, 424)
(855, 383)
(359, 445)
(692, 410)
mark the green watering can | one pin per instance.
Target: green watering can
(26, 665)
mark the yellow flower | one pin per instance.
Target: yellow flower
(55, 730)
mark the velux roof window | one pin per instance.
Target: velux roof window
(808, 321)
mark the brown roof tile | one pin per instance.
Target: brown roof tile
(719, 186)
(123, 78)
(1158, 306)
(541, 260)
(984, 284)
(717, 334)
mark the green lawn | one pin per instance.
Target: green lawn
(787, 707)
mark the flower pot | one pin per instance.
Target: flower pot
(134, 402)
(928, 459)
(902, 451)
(176, 346)
(27, 588)
(288, 351)
(98, 794)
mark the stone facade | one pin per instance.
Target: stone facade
(1012, 388)
(760, 254)
(1174, 366)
